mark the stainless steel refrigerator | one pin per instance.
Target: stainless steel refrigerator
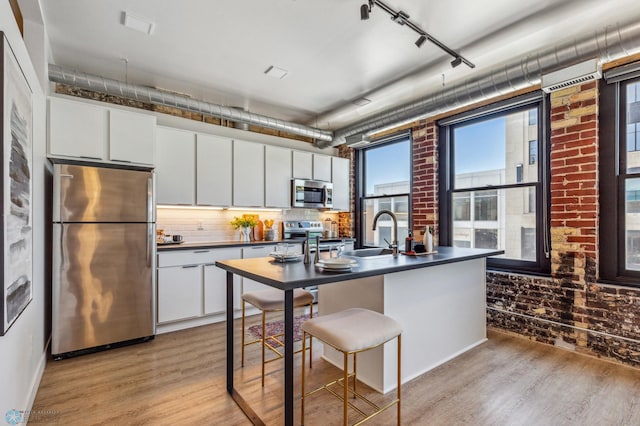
(103, 258)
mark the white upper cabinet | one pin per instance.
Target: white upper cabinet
(87, 131)
(248, 174)
(77, 129)
(175, 166)
(132, 137)
(322, 167)
(302, 165)
(214, 157)
(340, 176)
(277, 184)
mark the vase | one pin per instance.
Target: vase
(245, 234)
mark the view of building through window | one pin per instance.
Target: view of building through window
(499, 153)
(387, 173)
(632, 183)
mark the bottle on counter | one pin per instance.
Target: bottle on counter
(427, 239)
(408, 243)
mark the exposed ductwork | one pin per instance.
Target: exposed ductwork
(58, 74)
(607, 45)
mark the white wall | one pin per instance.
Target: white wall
(22, 349)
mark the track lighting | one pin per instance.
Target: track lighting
(364, 12)
(402, 18)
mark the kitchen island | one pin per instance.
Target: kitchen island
(462, 272)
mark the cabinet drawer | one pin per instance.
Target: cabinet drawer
(185, 257)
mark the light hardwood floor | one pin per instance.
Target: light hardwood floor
(179, 379)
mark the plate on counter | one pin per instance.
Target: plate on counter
(336, 264)
(289, 257)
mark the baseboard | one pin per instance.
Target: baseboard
(35, 382)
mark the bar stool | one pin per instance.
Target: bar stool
(272, 300)
(352, 331)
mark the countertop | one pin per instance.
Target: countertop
(286, 276)
(187, 245)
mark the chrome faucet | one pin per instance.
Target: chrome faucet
(394, 244)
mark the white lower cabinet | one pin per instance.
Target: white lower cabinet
(250, 253)
(179, 293)
(215, 282)
(190, 286)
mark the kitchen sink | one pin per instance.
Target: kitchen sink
(375, 252)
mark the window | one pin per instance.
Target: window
(620, 179)
(491, 188)
(533, 152)
(385, 184)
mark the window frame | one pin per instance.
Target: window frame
(614, 174)
(360, 184)
(539, 100)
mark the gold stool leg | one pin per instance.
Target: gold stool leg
(264, 339)
(345, 406)
(399, 376)
(242, 334)
(304, 350)
(355, 374)
(310, 338)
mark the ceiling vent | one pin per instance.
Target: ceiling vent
(579, 73)
(357, 141)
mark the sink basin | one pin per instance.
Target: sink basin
(375, 252)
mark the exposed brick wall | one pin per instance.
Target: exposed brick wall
(425, 177)
(569, 308)
(346, 220)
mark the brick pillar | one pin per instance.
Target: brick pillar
(574, 197)
(425, 177)
(574, 183)
(346, 220)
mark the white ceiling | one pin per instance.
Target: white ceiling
(218, 50)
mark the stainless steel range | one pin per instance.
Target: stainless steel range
(296, 230)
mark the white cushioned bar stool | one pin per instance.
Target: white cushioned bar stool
(352, 331)
(272, 300)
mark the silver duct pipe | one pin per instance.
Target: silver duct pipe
(57, 74)
(607, 45)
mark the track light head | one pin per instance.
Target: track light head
(420, 41)
(364, 12)
(400, 17)
(457, 61)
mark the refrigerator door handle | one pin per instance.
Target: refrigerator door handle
(150, 240)
(150, 199)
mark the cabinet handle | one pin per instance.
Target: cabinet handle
(89, 157)
(209, 264)
(190, 266)
(122, 161)
(201, 251)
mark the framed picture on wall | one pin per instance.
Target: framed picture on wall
(16, 130)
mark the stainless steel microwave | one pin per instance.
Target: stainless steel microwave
(315, 194)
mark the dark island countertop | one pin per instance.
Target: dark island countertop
(289, 275)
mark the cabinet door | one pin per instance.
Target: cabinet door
(341, 188)
(77, 129)
(250, 253)
(132, 137)
(248, 174)
(213, 170)
(179, 293)
(322, 167)
(175, 167)
(302, 165)
(277, 177)
(215, 282)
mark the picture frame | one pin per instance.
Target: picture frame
(16, 131)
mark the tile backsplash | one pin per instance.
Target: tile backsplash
(198, 224)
